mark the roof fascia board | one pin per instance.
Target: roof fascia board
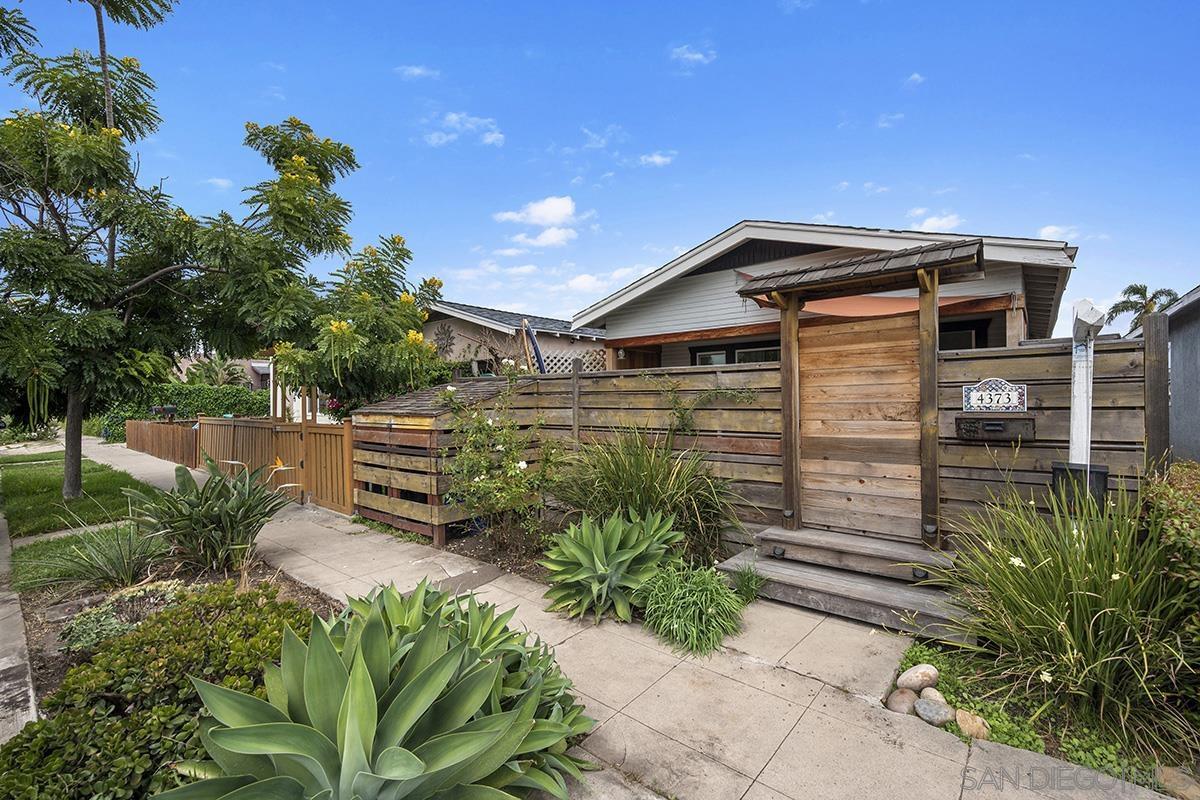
(478, 320)
(1041, 252)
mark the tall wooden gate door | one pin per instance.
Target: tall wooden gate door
(860, 426)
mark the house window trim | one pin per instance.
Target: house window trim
(731, 350)
(777, 348)
(697, 353)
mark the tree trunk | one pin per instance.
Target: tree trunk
(73, 457)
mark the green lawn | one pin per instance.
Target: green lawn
(32, 497)
(23, 458)
(34, 561)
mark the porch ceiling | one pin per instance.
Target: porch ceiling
(872, 272)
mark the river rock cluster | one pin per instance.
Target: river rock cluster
(916, 693)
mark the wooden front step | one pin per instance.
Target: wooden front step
(848, 551)
(880, 601)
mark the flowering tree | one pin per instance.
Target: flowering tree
(105, 283)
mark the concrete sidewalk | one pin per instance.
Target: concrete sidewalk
(788, 710)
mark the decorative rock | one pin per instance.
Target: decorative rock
(917, 678)
(972, 725)
(930, 693)
(1177, 783)
(934, 713)
(901, 701)
(64, 611)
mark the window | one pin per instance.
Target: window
(756, 355)
(710, 358)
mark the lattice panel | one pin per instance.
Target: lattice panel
(560, 360)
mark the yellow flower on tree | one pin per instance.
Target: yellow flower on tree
(415, 337)
(407, 298)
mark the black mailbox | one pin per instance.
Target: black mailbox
(994, 428)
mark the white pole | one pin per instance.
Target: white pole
(1088, 322)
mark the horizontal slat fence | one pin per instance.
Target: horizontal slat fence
(173, 441)
(973, 472)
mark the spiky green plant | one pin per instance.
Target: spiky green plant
(747, 581)
(214, 525)
(106, 559)
(599, 567)
(403, 698)
(639, 471)
(691, 609)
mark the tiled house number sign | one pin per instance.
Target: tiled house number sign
(994, 394)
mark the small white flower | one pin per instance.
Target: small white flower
(1045, 677)
(451, 388)
(507, 362)
(499, 447)
(1116, 576)
(1016, 561)
(1032, 502)
(522, 465)
(489, 421)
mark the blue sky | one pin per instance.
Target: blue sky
(664, 123)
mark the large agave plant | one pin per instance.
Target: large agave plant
(600, 567)
(398, 698)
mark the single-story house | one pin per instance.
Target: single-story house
(1183, 333)
(689, 312)
(484, 336)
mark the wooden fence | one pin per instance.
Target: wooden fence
(971, 472)
(173, 441)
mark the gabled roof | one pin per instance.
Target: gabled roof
(510, 321)
(873, 272)
(1047, 262)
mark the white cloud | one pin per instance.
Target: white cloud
(917, 212)
(888, 120)
(841, 186)
(585, 282)
(510, 251)
(553, 210)
(657, 159)
(1058, 232)
(274, 93)
(524, 269)
(916, 79)
(600, 140)
(413, 72)
(494, 138)
(824, 218)
(275, 65)
(1026, 157)
(870, 187)
(577, 180)
(549, 237)
(946, 221)
(439, 138)
(688, 56)
(945, 190)
(788, 6)
(218, 183)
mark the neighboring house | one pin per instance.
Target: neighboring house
(688, 311)
(1183, 333)
(484, 336)
(258, 370)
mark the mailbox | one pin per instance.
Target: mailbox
(988, 428)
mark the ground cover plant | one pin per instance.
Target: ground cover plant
(212, 525)
(637, 471)
(33, 501)
(415, 697)
(599, 567)
(1077, 610)
(111, 558)
(690, 609)
(120, 613)
(119, 721)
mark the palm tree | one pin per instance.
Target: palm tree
(217, 371)
(1137, 299)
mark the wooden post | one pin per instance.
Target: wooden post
(927, 361)
(789, 378)
(576, 368)
(1015, 323)
(1156, 333)
(348, 462)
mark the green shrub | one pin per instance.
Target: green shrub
(119, 614)
(600, 567)
(1173, 502)
(399, 697)
(119, 721)
(109, 559)
(637, 472)
(747, 581)
(1077, 607)
(691, 609)
(94, 425)
(211, 526)
(190, 401)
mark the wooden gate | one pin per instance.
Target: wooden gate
(860, 426)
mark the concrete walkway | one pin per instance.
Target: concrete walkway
(787, 710)
(17, 704)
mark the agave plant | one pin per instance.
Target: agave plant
(600, 567)
(213, 525)
(398, 698)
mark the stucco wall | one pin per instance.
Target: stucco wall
(1185, 384)
(469, 338)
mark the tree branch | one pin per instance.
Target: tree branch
(153, 276)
